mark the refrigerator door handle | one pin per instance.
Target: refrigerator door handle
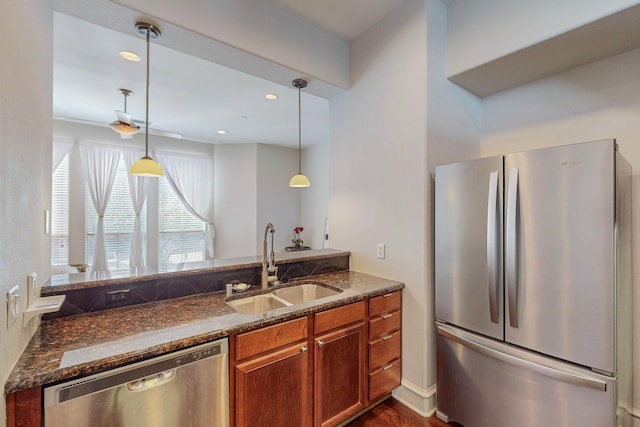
(492, 257)
(511, 275)
(548, 371)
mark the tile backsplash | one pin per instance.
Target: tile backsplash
(156, 288)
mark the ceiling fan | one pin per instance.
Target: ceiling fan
(124, 124)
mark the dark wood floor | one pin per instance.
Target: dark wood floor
(392, 413)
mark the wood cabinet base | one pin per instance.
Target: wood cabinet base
(24, 408)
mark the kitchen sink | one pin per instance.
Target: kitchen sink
(257, 304)
(299, 294)
(284, 297)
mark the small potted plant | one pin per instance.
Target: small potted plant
(297, 241)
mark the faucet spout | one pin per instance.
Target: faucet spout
(269, 270)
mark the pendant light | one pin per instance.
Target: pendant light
(299, 180)
(146, 166)
(123, 125)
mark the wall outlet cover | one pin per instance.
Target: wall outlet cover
(13, 305)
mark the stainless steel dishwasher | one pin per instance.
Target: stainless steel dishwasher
(185, 388)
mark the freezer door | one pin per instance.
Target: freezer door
(559, 252)
(468, 240)
(485, 383)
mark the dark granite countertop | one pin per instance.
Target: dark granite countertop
(75, 346)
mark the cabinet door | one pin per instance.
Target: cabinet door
(273, 390)
(339, 374)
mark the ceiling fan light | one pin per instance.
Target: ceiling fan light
(146, 166)
(124, 129)
(299, 181)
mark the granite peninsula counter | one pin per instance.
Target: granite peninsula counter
(84, 344)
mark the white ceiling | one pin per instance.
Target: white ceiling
(189, 95)
(345, 19)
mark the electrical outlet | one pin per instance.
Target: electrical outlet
(13, 305)
(119, 296)
(380, 251)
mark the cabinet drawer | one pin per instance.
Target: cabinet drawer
(385, 303)
(269, 338)
(384, 349)
(385, 323)
(340, 316)
(384, 379)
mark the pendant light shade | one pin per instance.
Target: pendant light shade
(146, 166)
(299, 180)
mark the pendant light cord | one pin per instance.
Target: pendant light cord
(146, 119)
(299, 134)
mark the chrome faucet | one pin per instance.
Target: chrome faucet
(269, 269)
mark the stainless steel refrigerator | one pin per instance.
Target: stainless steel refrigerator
(533, 288)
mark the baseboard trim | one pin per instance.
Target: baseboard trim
(635, 414)
(418, 399)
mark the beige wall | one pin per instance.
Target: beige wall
(596, 101)
(25, 160)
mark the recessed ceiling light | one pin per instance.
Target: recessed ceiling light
(129, 56)
(222, 132)
(271, 96)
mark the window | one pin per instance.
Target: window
(60, 214)
(118, 223)
(181, 235)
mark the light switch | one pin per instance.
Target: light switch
(13, 305)
(380, 251)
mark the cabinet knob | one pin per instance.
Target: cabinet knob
(387, 337)
(387, 316)
(320, 343)
(304, 349)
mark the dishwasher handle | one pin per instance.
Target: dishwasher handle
(151, 381)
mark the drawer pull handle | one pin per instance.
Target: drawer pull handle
(387, 295)
(304, 349)
(387, 337)
(320, 343)
(387, 316)
(389, 366)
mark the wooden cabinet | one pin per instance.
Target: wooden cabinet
(271, 376)
(339, 364)
(24, 408)
(385, 344)
(355, 351)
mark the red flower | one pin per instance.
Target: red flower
(298, 230)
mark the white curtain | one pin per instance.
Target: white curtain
(61, 146)
(191, 178)
(138, 187)
(99, 164)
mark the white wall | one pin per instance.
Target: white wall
(252, 189)
(278, 203)
(482, 31)
(25, 161)
(597, 101)
(235, 200)
(314, 201)
(379, 185)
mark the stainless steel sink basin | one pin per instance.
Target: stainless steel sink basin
(256, 305)
(299, 294)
